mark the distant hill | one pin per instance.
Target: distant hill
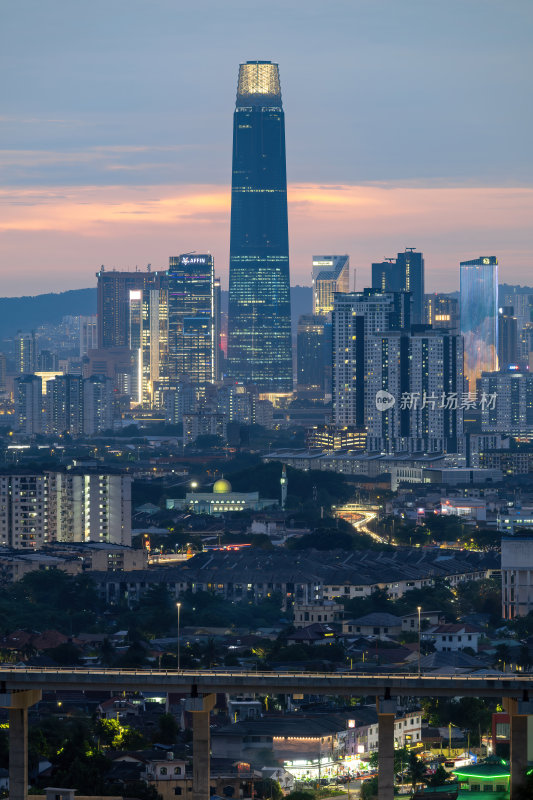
(27, 313)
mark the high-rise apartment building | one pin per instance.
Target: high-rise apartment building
(330, 274)
(89, 506)
(28, 404)
(192, 322)
(414, 391)
(507, 402)
(507, 338)
(479, 317)
(259, 322)
(442, 311)
(405, 273)
(98, 404)
(356, 317)
(25, 353)
(313, 356)
(23, 518)
(64, 405)
(113, 297)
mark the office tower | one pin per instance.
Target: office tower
(330, 274)
(403, 274)
(259, 324)
(28, 404)
(507, 337)
(98, 404)
(113, 295)
(23, 519)
(507, 402)
(217, 310)
(64, 405)
(357, 316)
(191, 319)
(313, 353)
(442, 311)
(86, 505)
(479, 317)
(25, 353)
(88, 334)
(148, 341)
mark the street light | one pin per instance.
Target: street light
(178, 606)
(419, 609)
(194, 485)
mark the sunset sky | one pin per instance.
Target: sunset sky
(408, 124)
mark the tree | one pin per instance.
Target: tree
(439, 778)
(168, 729)
(369, 789)
(416, 770)
(269, 789)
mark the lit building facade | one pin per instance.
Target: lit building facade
(479, 317)
(442, 311)
(98, 404)
(259, 320)
(148, 341)
(88, 335)
(64, 405)
(331, 274)
(405, 273)
(192, 328)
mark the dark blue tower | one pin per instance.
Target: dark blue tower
(259, 324)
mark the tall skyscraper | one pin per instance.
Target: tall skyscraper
(148, 341)
(113, 296)
(64, 405)
(403, 274)
(479, 317)
(191, 319)
(330, 274)
(88, 334)
(259, 325)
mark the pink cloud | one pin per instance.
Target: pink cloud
(55, 238)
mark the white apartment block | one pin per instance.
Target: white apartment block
(69, 506)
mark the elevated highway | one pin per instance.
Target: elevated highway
(212, 681)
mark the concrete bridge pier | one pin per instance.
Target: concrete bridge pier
(519, 712)
(201, 744)
(386, 708)
(18, 703)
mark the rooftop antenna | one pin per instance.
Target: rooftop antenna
(389, 259)
(148, 267)
(410, 249)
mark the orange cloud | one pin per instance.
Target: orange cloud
(56, 237)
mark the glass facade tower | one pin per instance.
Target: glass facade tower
(259, 320)
(191, 319)
(479, 317)
(331, 274)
